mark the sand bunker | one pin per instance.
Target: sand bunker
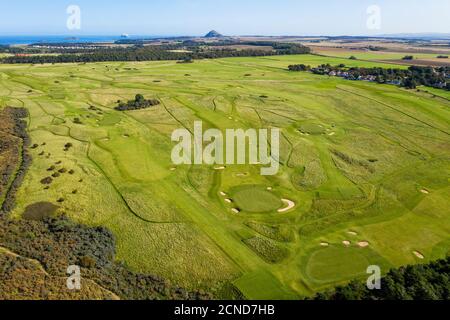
(235, 210)
(346, 243)
(352, 233)
(324, 244)
(223, 194)
(228, 201)
(363, 244)
(220, 168)
(269, 189)
(419, 255)
(289, 205)
(173, 169)
(424, 191)
(332, 134)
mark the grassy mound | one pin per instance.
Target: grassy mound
(312, 128)
(39, 210)
(282, 233)
(269, 250)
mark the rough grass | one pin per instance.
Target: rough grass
(267, 249)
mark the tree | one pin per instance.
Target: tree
(299, 67)
(139, 98)
(410, 83)
(419, 282)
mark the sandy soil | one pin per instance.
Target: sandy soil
(363, 244)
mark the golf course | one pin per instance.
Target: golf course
(364, 173)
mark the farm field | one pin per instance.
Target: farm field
(366, 167)
(386, 56)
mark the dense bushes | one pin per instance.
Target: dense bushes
(15, 158)
(420, 282)
(299, 67)
(24, 279)
(58, 243)
(138, 103)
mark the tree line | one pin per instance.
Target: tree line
(151, 53)
(420, 282)
(409, 78)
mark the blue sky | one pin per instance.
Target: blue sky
(231, 17)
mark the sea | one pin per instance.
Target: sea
(24, 40)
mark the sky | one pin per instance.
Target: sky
(230, 17)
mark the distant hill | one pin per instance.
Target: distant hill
(420, 36)
(213, 34)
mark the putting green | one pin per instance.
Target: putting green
(255, 199)
(334, 263)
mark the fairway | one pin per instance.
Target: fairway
(360, 163)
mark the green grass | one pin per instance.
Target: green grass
(338, 263)
(354, 156)
(261, 285)
(255, 199)
(268, 250)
